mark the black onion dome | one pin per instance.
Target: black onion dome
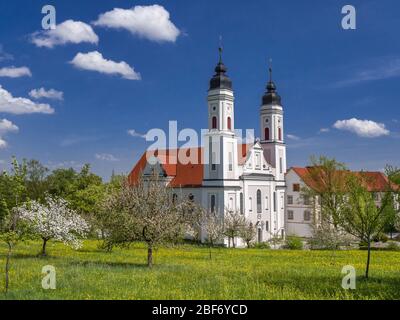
(220, 80)
(271, 96)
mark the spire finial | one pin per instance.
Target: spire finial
(220, 48)
(270, 69)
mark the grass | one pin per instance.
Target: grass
(186, 272)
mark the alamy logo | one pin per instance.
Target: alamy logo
(49, 20)
(349, 20)
(349, 280)
(49, 280)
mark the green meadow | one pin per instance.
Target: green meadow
(186, 272)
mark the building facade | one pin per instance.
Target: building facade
(227, 175)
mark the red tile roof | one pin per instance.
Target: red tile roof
(376, 181)
(182, 175)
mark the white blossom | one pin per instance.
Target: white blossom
(55, 220)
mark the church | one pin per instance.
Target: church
(230, 175)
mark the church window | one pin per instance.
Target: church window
(214, 122)
(266, 203)
(289, 199)
(290, 215)
(230, 161)
(259, 207)
(250, 204)
(274, 201)
(266, 133)
(229, 123)
(212, 203)
(174, 198)
(307, 215)
(279, 133)
(267, 226)
(191, 197)
(214, 162)
(281, 165)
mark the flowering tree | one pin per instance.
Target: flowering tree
(54, 220)
(233, 224)
(248, 232)
(145, 212)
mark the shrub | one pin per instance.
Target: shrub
(381, 238)
(294, 243)
(393, 246)
(261, 245)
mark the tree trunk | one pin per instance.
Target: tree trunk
(368, 259)
(44, 247)
(8, 265)
(210, 251)
(150, 257)
(233, 243)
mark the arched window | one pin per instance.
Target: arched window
(229, 123)
(214, 122)
(279, 133)
(259, 207)
(266, 134)
(212, 204)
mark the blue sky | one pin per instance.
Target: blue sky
(324, 74)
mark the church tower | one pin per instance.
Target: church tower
(220, 142)
(272, 130)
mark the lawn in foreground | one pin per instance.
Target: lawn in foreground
(186, 272)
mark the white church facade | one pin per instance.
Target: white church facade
(230, 175)
(250, 178)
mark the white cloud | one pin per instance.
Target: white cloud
(292, 137)
(380, 69)
(106, 157)
(6, 126)
(362, 128)
(10, 104)
(65, 164)
(150, 22)
(4, 55)
(94, 61)
(14, 72)
(49, 94)
(135, 134)
(69, 31)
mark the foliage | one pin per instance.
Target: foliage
(233, 224)
(326, 237)
(327, 192)
(393, 246)
(54, 220)
(248, 233)
(36, 180)
(260, 245)
(185, 272)
(146, 212)
(361, 217)
(12, 187)
(12, 231)
(294, 243)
